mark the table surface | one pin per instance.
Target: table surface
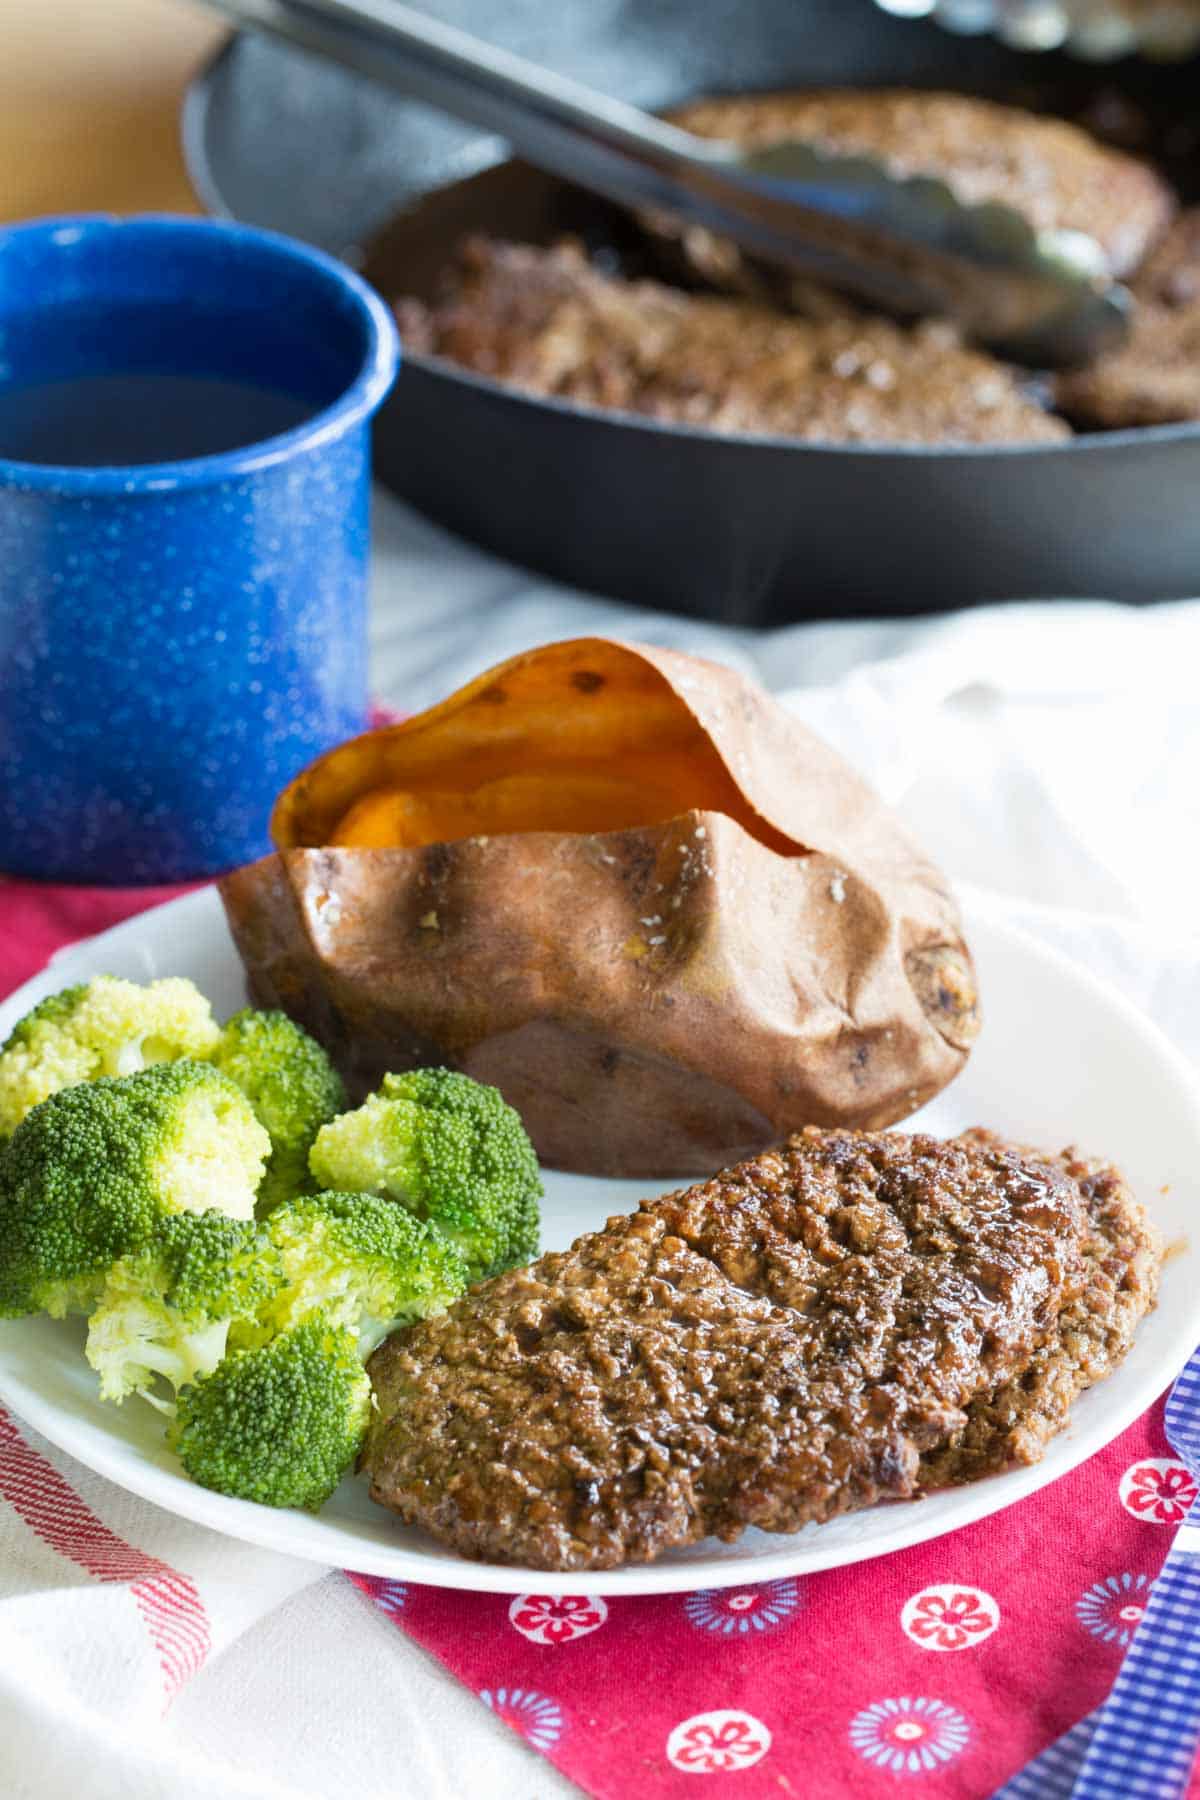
(89, 103)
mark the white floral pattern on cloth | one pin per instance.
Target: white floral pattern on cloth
(949, 1616)
(729, 1610)
(1158, 1489)
(556, 1619)
(717, 1743)
(537, 1719)
(909, 1736)
(1112, 1609)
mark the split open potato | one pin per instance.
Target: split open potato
(628, 888)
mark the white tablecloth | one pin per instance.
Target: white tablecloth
(1050, 752)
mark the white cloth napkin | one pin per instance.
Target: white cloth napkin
(1050, 752)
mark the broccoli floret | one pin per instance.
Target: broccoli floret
(166, 1309)
(50, 1011)
(367, 1263)
(88, 1175)
(97, 1028)
(293, 1088)
(452, 1151)
(278, 1424)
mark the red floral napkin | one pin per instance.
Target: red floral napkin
(941, 1670)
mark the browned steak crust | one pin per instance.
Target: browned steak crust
(545, 320)
(1122, 1257)
(1154, 379)
(1051, 171)
(777, 1345)
(1170, 276)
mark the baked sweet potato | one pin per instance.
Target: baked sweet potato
(628, 888)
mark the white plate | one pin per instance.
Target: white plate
(1061, 1059)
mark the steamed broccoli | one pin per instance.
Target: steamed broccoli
(452, 1151)
(166, 1309)
(278, 1424)
(102, 1027)
(90, 1172)
(292, 1086)
(363, 1261)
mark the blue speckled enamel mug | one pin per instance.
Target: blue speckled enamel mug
(184, 461)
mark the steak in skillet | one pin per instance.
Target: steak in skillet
(780, 1344)
(547, 321)
(1154, 377)
(1054, 173)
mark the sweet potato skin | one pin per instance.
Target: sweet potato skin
(657, 1000)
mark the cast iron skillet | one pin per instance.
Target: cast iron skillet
(749, 530)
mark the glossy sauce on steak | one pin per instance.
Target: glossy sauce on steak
(782, 1343)
(1122, 1255)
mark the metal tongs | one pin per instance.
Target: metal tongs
(907, 245)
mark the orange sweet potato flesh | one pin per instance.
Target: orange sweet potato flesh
(627, 887)
(573, 799)
(589, 735)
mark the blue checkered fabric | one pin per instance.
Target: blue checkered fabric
(1141, 1744)
(1183, 1416)
(1148, 1729)
(1051, 1776)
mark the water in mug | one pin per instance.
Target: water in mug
(86, 392)
(96, 421)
